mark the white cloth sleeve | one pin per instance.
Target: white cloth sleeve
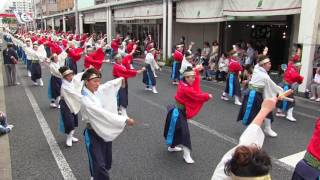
(252, 135)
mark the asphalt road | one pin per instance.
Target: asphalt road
(140, 152)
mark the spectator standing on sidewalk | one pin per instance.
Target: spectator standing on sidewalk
(205, 55)
(10, 59)
(223, 67)
(315, 86)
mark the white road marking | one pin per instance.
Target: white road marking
(54, 147)
(212, 131)
(292, 160)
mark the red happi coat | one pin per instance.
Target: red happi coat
(127, 61)
(314, 144)
(120, 70)
(94, 59)
(130, 47)
(75, 54)
(115, 45)
(234, 66)
(291, 75)
(178, 56)
(191, 96)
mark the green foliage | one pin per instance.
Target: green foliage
(9, 20)
(169, 61)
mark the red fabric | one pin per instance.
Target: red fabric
(178, 56)
(115, 45)
(314, 144)
(71, 37)
(41, 41)
(234, 66)
(84, 37)
(34, 38)
(120, 70)
(191, 96)
(95, 59)
(75, 54)
(127, 61)
(130, 47)
(64, 43)
(295, 58)
(78, 37)
(291, 75)
(55, 48)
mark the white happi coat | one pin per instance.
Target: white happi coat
(101, 111)
(261, 79)
(150, 60)
(71, 93)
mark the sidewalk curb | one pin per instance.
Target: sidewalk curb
(5, 159)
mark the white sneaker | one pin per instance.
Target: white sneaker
(10, 126)
(154, 90)
(29, 74)
(75, 139)
(318, 100)
(148, 89)
(291, 118)
(53, 105)
(186, 156)
(69, 140)
(224, 98)
(238, 103)
(35, 84)
(175, 149)
(270, 132)
(280, 114)
(313, 98)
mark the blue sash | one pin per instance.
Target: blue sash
(172, 127)
(231, 79)
(284, 102)
(173, 75)
(61, 124)
(88, 144)
(49, 89)
(249, 105)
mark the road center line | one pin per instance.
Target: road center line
(54, 147)
(293, 159)
(212, 131)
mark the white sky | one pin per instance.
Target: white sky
(3, 4)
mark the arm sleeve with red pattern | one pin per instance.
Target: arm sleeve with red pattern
(123, 72)
(314, 144)
(178, 56)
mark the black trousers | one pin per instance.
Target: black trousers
(99, 155)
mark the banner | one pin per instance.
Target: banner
(22, 18)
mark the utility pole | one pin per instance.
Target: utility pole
(76, 16)
(34, 15)
(41, 12)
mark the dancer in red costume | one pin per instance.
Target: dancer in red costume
(189, 100)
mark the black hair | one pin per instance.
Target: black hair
(9, 45)
(89, 72)
(206, 43)
(63, 69)
(188, 53)
(248, 161)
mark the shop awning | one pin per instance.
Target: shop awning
(260, 7)
(94, 17)
(194, 11)
(147, 11)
